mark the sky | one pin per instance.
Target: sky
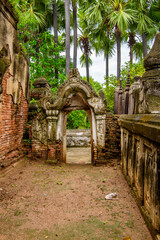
(97, 70)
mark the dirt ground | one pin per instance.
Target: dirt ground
(39, 201)
(81, 158)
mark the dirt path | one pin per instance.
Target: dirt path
(39, 202)
(78, 155)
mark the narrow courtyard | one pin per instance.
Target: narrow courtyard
(40, 201)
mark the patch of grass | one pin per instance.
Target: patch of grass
(91, 228)
(59, 183)
(17, 212)
(13, 185)
(130, 223)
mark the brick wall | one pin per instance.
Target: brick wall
(113, 135)
(50, 153)
(14, 88)
(112, 151)
(12, 123)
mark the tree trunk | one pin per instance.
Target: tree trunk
(67, 27)
(118, 54)
(87, 68)
(107, 69)
(144, 40)
(130, 56)
(55, 26)
(75, 36)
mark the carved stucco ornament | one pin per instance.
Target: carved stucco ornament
(73, 85)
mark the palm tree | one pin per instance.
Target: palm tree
(67, 27)
(85, 45)
(154, 12)
(131, 37)
(55, 26)
(138, 50)
(83, 61)
(145, 25)
(85, 27)
(31, 15)
(104, 43)
(74, 6)
(120, 16)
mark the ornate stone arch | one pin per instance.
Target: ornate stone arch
(73, 94)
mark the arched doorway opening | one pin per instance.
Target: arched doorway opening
(78, 138)
(75, 102)
(49, 125)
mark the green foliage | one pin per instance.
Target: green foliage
(32, 100)
(110, 85)
(96, 85)
(111, 81)
(78, 120)
(42, 61)
(38, 42)
(134, 69)
(27, 141)
(29, 15)
(83, 61)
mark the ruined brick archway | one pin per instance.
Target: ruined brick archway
(49, 126)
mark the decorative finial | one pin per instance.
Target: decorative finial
(74, 73)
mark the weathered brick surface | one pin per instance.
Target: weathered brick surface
(12, 123)
(112, 146)
(14, 88)
(52, 153)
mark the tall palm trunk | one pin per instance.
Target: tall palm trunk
(118, 54)
(131, 43)
(55, 25)
(87, 67)
(67, 27)
(131, 55)
(107, 54)
(75, 36)
(107, 68)
(144, 41)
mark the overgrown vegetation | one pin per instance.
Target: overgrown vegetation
(78, 119)
(103, 25)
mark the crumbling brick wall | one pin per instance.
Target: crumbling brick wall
(113, 135)
(14, 88)
(112, 151)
